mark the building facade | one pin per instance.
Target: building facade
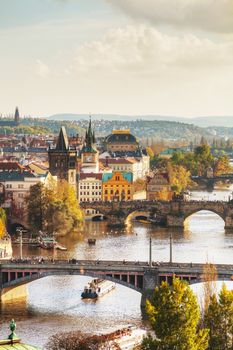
(117, 186)
(121, 141)
(89, 187)
(158, 187)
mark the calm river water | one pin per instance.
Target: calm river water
(54, 303)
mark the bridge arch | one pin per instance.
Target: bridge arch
(195, 211)
(36, 276)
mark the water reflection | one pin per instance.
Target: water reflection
(54, 303)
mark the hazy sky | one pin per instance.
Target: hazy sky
(165, 57)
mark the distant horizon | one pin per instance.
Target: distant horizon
(129, 56)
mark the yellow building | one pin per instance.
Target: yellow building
(117, 186)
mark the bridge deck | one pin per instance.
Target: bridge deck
(110, 265)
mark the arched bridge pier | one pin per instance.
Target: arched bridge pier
(138, 276)
(173, 213)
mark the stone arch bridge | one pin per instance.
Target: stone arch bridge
(172, 213)
(136, 275)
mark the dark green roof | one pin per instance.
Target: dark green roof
(15, 175)
(87, 149)
(121, 138)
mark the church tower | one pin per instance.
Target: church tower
(89, 153)
(16, 117)
(63, 159)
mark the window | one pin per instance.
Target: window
(20, 195)
(106, 191)
(8, 186)
(20, 186)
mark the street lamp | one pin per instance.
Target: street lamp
(150, 253)
(21, 243)
(170, 248)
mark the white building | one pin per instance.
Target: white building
(139, 167)
(90, 187)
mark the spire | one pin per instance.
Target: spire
(16, 117)
(89, 135)
(62, 142)
(93, 137)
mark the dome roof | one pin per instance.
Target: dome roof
(121, 137)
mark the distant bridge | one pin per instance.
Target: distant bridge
(135, 275)
(172, 213)
(210, 182)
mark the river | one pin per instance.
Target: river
(54, 304)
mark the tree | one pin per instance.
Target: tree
(222, 166)
(36, 207)
(209, 278)
(79, 341)
(219, 319)
(179, 177)
(2, 222)
(174, 316)
(54, 207)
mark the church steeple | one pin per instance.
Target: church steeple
(90, 136)
(62, 142)
(16, 117)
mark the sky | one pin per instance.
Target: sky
(135, 57)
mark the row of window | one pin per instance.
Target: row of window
(10, 186)
(87, 187)
(85, 199)
(90, 193)
(116, 192)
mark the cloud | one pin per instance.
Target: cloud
(145, 50)
(42, 70)
(208, 15)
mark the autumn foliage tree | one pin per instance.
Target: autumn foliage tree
(53, 207)
(218, 319)
(2, 222)
(79, 341)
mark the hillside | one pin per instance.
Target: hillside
(200, 121)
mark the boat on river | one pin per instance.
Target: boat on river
(91, 241)
(97, 288)
(50, 243)
(127, 338)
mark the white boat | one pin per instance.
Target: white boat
(128, 338)
(97, 288)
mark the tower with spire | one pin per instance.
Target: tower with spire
(63, 159)
(16, 117)
(89, 152)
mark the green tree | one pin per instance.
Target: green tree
(219, 319)
(174, 316)
(53, 207)
(35, 202)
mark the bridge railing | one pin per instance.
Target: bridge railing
(155, 264)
